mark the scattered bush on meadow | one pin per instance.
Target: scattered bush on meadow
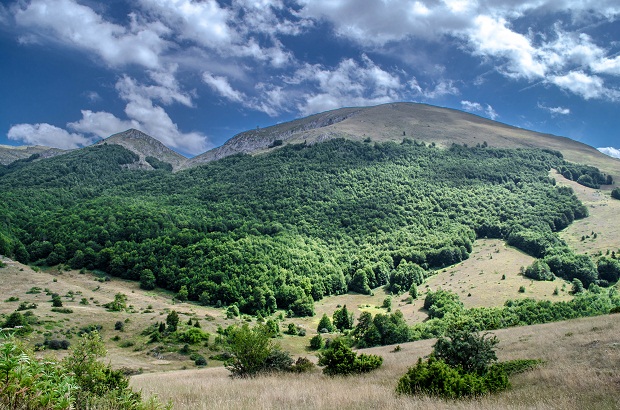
(340, 359)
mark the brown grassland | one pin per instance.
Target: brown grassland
(581, 371)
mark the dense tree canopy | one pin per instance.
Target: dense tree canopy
(285, 229)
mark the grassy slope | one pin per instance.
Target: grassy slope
(581, 372)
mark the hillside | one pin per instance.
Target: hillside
(9, 154)
(393, 122)
(152, 153)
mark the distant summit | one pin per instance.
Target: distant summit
(397, 121)
(10, 154)
(147, 148)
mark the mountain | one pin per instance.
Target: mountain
(147, 148)
(10, 154)
(393, 122)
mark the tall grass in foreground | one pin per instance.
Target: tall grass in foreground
(581, 371)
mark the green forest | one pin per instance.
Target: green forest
(284, 229)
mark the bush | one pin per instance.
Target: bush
(200, 361)
(302, 365)
(471, 352)
(434, 377)
(119, 325)
(538, 270)
(317, 342)
(55, 344)
(325, 325)
(252, 352)
(340, 359)
(615, 193)
(440, 302)
(193, 335)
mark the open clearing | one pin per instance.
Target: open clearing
(603, 220)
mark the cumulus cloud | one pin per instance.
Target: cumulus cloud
(348, 84)
(47, 135)
(472, 106)
(584, 85)
(612, 152)
(81, 27)
(102, 124)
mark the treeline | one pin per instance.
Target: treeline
(285, 229)
(446, 311)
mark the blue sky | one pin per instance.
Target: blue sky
(194, 73)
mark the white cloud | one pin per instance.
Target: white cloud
(582, 84)
(472, 106)
(555, 110)
(612, 152)
(102, 124)
(349, 84)
(81, 27)
(166, 88)
(47, 135)
(221, 86)
(204, 22)
(492, 38)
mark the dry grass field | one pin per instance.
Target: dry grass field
(581, 371)
(603, 220)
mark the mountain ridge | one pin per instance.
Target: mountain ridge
(397, 121)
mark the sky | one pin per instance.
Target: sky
(193, 73)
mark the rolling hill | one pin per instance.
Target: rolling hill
(393, 122)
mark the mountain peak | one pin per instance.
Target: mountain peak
(145, 146)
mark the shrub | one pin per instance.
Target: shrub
(56, 301)
(193, 335)
(119, 303)
(340, 359)
(252, 352)
(615, 193)
(325, 325)
(440, 302)
(472, 352)
(302, 365)
(200, 361)
(119, 325)
(434, 377)
(316, 342)
(538, 270)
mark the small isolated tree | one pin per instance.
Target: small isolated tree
(119, 303)
(340, 359)
(253, 351)
(172, 321)
(56, 301)
(317, 342)
(472, 352)
(343, 319)
(325, 325)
